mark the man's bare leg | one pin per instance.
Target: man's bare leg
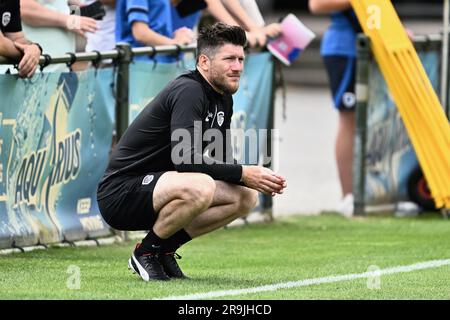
(197, 203)
(178, 198)
(229, 203)
(188, 205)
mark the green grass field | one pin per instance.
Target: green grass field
(248, 256)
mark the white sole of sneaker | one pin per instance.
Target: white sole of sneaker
(130, 266)
(144, 275)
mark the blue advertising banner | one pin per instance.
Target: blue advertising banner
(390, 157)
(55, 137)
(146, 81)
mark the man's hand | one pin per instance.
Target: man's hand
(183, 36)
(273, 30)
(80, 25)
(30, 59)
(256, 38)
(263, 180)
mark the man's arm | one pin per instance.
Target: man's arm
(37, 15)
(219, 12)
(256, 34)
(328, 6)
(17, 37)
(145, 35)
(187, 103)
(11, 31)
(239, 14)
(7, 47)
(28, 52)
(137, 16)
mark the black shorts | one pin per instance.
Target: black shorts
(131, 208)
(341, 74)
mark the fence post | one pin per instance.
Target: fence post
(359, 152)
(122, 100)
(267, 205)
(122, 89)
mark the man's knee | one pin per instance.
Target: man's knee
(199, 191)
(247, 201)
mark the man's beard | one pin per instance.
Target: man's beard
(219, 81)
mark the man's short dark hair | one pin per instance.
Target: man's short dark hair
(212, 37)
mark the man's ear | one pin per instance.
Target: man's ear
(203, 62)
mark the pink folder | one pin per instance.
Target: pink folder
(294, 38)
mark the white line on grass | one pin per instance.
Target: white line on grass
(309, 282)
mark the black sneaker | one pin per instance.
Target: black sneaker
(170, 265)
(148, 267)
(132, 266)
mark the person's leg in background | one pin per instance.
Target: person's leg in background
(341, 73)
(344, 152)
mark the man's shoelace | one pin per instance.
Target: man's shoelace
(174, 254)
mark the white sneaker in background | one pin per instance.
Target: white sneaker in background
(407, 209)
(345, 207)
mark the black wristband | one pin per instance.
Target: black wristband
(39, 46)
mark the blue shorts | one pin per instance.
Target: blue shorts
(341, 74)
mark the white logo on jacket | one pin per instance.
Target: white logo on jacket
(209, 116)
(220, 118)
(147, 179)
(6, 18)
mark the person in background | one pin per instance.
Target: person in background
(188, 13)
(13, 43)
(247, 14)
(148, 23)
(339, 54)
(51, 23)
(104, 38)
